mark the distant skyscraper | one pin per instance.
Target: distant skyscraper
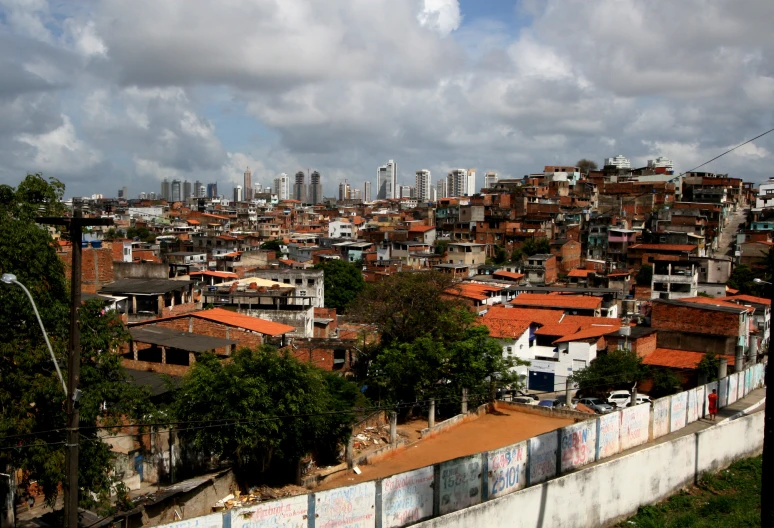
(354, 193)
(387, 181)
(490, 179)
(441, 191)
(315, 189)
(424, 185)
(282, 186)
(471, 183)
(176, 190)
(152, 196)
(406, 191)
(456, 182)
(166, 190)
(123, 193)
(619, 162)
(344, 191)
(238, 193)
(367, 191)
(142, 196)
(200, 190)
(212, 190)
(299, 188)
(187, 190)
(247, 189)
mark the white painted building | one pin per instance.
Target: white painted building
(765, 195)
(342, 229)
(424, 185)
(387, 181)
(619, 161)
(282, 186)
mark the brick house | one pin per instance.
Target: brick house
(540, 269)
(96, 266)
(567, 253)
(170, 345)
(704, 324)
(153, 298)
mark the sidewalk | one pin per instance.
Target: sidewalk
(699, 425)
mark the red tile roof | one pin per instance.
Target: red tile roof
(421, 228)
(587, 321)
(506, 328)
(558, 301)
(560, 329)
(746, 298)
(541, 317)
(591, 332)
(579, 273)
(227, 317)
(664, 247)
(470, 290)
(714, 302)
(193, 222)
(669, 357)
(508, 275)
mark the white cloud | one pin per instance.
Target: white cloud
(60, 149)
(442, 16)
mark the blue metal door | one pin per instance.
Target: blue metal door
(541, 381)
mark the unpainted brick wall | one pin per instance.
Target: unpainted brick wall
(96, 267)
(696, 320)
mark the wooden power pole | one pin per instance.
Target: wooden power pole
(76, 223)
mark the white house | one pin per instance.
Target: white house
(342, 229)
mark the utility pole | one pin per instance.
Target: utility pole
(76, 223)
(767, 473)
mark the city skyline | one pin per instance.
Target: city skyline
(117, 94)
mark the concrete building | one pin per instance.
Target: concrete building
(177, 191)
(342, 229)
(441, 190)
(387, 181)
(308, 282)
(541, 269)
(212, 190)
(490, 179)
(765, 196)
(367, 191)
(661, 162)
(406, 191)
(344, 191)
(424, 185)
(187, 190)
(315, 188)
(166, 190)
(282, 187)
(238, 193)
(299, 188)
(674, 279)
(461, 182)
(466, 253)
(247, 189)
(619, 162)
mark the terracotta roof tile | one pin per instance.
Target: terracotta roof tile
(262, 326)
(746, 298)
(586, 321)
(421, 228)
(506, 328)
(557, 301)
(541, 317)
(560, 329)
(508, 275)
(591, 332)
(579, 273)
(684, 359)
(664, 247)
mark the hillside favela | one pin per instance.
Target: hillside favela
(386, 263)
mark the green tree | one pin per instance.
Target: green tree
(112, 234)
(645, 275)
(708, 366)
(665, 382)
(743, 279)
(343, 283)
(272, 245)
(142, 233)
(534, 246)
(31, 397)
(619, 369)
(440, 246)
(586, 165)
(278, 408)
(500, 255)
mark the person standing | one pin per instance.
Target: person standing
(713, 404)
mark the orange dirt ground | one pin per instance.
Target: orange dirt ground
(490, 431)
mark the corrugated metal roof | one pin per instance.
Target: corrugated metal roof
(157, 335)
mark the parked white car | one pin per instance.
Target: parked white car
(622, 398)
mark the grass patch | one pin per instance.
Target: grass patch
(728, 498)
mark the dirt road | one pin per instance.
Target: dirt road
(487, 432)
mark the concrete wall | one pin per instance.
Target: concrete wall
(517, 485)
(146, 270)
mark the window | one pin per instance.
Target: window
(510, 349)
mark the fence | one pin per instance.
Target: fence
(458, 484)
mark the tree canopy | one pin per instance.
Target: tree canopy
(534, 246)
(31, 397)
(278, 409)
(343, 282)
(743, 279)
(272, 245)
(619, 369)
(586, 165)
(645, 275)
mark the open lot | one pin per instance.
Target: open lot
(490, 431)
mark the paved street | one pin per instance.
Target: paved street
(728, 234)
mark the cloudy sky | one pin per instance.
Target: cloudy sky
(106, 93)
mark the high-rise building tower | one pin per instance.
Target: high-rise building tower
(367, 191)
(282, 187)
(299, 188)
(441, 191)
(344, 191)
(406, 191)
(619, 162)
(456, 182)
(471, 183)
(123, 193)
(490, 179)
(177, 191)
(247, 189)
(187, 190)
(166, 190)
(387, 181)
(200, 190)
(212, 190)
(315, 189)
(238, 193)
(423, 186)
(354, 193)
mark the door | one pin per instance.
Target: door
(541, 381)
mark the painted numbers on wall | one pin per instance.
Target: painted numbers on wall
(284, 513)
(460, 484)
(579, 444)
(350, 507)
(507, 469)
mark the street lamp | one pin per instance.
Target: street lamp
(10, 278)
(767, 486)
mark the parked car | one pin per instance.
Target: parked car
(619, 398)
(622, 398)
(525, 400)
(597, 405)
(552, 404)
